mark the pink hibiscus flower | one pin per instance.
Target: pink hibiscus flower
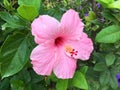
(60, 44)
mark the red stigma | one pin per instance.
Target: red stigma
(73, 52)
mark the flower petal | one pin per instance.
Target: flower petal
(79, 49)
(65, 66)
(43, 59)
(71, 24)
(44, 28)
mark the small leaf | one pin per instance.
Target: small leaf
(12, 21)
(7, 4)
(91, 16)
(35, 78)
(110, 34)
(17, 84)
(23, 75)
(100, 66)
(79, 81)
(104, 78)
(113, 81)
(62, 84)
(110, 16)
(104, 88)
(4, 84)
(37, 87)
(110, 58)
(27, 12)
(53, 78)
(84, 69)
(34, 3)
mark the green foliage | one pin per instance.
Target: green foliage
(17, 85)
(79, 81)
(110, 16)
(23, 11)
(11, 21)
(113, 81)
(84, 69)
(115, 4)
(34, 3)
(13, 59)
(29, 9)
(110, 59)
(105, 1)
(104, 78)
(61, 84)
(7, 5)
(110, 3)
(108, 77)
(4, 85)
(100, 66)
(91, 16)
(110, 34)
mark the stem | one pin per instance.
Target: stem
(94, 5)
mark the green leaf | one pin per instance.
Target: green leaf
(105, 88)
(62, 84)
(104, 78)
(79, 81)
(110, 16)
(100, 66)
(15, 54)
(115, 4)
(37, 87)
(4, 84)
(35, 78)
(110, 58)
(105, 2)
(8, 5)
(84, 69)
(34, 3)
(110, 34)
(53, 78)
(12, 21)
(116, 16)
(99, 56)
(27, 12)
(110, 3)
(17, 85)
(91, 16)
(24, 75)
(113, 81)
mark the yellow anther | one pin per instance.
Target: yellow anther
(68, 48)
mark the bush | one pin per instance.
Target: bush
(102, 25)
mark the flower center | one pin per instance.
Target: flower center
(70, 51)
(58, 41)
